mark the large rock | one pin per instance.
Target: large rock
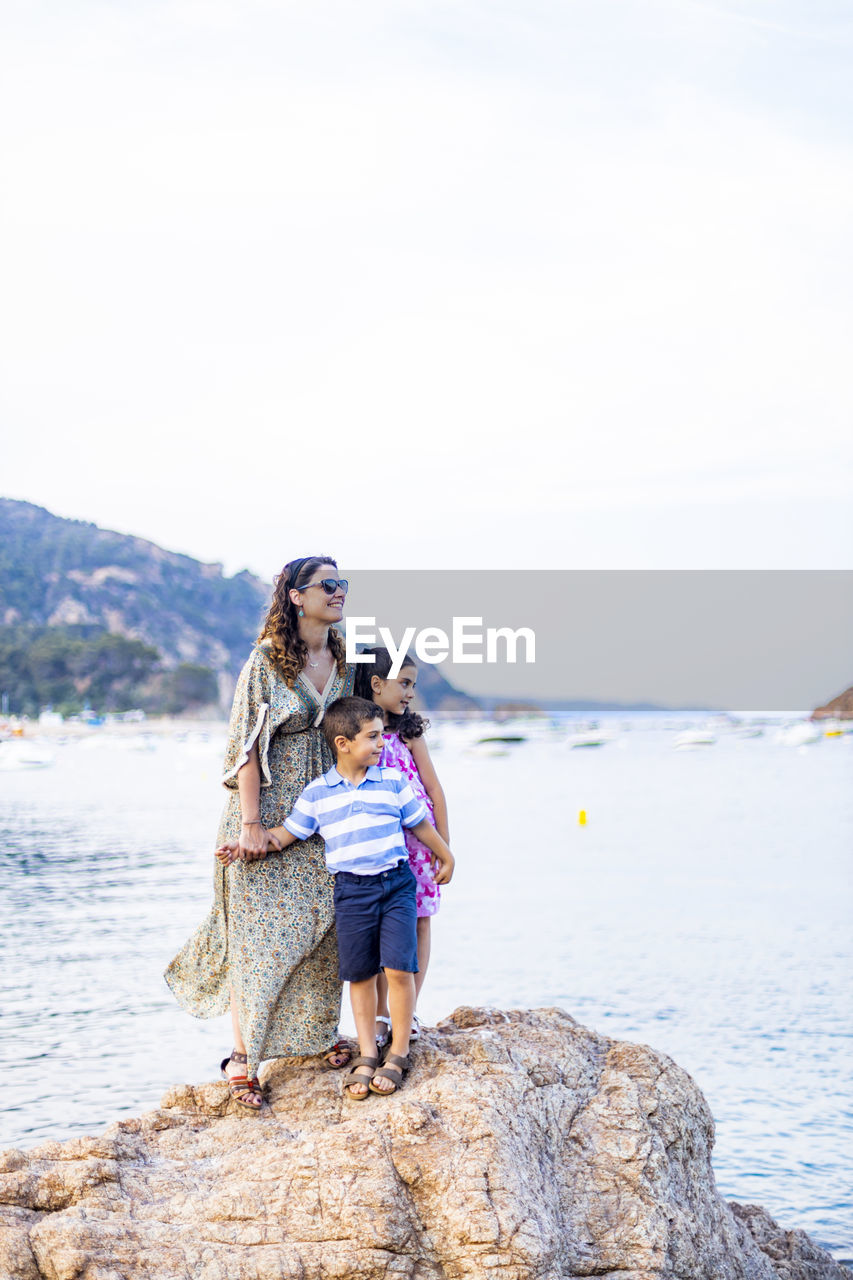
(840, 708)
(522, 1146)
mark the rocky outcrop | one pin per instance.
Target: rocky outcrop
(792, 1253)
(522, 1146)
(840, 708)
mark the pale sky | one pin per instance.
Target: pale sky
(552, 283)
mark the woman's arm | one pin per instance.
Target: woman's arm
(253, 834)
(432, 786)
(278, 838)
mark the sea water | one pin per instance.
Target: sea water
(704, 909)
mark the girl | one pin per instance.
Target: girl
(406, 750)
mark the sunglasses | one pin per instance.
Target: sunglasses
(329, 585)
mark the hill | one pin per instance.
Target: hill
(59, 573)
(838, 708)
(89, 616)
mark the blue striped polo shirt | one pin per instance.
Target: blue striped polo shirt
(362, 826)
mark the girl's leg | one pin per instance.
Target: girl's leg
(381, 1003)
(424, 945)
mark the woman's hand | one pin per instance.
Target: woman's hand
(233, 850)
(253, 842)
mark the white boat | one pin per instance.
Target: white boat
(20, 754)
(690, 738)
(495, 744)
(134, 742)
(799, 735)
(530, 728)
(119, 742)
(487, 748)
(588, 738)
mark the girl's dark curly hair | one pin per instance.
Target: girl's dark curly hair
(280, 632)
(409, 725)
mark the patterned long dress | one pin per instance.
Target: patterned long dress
(270, 933)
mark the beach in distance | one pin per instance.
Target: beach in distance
(702, 907)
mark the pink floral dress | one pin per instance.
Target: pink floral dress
(397, 755)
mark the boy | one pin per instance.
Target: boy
(360, 811)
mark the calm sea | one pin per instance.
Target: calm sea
(704, 908)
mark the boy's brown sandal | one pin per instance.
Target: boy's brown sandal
(394, 1068)
(362, 1073)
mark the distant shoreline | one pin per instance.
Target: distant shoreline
(160, 726)
(178, 726)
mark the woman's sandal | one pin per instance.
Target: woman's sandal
(362, 1073)
(394, 1068)
(340, 1050)
(241, 1087)
(383, 1040)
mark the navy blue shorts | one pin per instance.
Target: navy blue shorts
(377, 922)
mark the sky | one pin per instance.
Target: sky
(433, 285)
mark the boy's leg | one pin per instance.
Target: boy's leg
(357, 917)
(363, 999)
(401, 1001)
(398, 948)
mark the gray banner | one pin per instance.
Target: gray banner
(772, 641)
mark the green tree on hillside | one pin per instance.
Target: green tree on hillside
(189, 685)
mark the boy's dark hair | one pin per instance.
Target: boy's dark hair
(347, 717)
(409, 725)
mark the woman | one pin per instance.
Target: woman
(268, 946)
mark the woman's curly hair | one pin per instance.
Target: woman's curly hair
(280, 632)
(409, 725)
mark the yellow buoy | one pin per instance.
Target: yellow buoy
(582, 818)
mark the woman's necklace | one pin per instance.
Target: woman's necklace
(315, 665)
